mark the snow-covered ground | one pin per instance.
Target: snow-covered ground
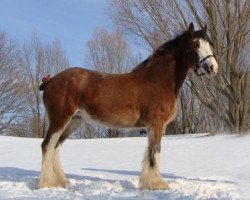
(195, 167)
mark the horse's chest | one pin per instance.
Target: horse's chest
(163, 110)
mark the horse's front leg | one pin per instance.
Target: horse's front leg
(150, 177)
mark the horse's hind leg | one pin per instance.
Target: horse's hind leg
(74, 123)
(48, 178)
(150, 176)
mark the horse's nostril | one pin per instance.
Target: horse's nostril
(211, 68)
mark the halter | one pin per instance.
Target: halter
(198, 65)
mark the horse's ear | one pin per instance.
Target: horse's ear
(191, 29)
(204, 30)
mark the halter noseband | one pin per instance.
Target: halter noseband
(198, 65)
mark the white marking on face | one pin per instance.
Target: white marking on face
(209, 65)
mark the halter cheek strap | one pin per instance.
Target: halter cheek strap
(198, 65)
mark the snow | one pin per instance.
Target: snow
(196, 167)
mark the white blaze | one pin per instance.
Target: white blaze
(204, 50)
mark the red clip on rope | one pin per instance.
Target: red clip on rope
(45, 81)
(46, 78)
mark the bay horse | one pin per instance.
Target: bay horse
(146, 97)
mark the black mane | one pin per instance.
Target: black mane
(161, 50)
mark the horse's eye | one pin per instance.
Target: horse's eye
(211, 44)
(197, 44)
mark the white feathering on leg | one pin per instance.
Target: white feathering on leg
(150, 177)
(48, 178)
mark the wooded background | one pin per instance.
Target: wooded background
(220, 104)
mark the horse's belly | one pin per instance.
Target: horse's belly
(114, 118)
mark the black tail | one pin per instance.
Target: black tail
(45, 81)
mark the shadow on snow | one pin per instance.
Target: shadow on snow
(20, 175)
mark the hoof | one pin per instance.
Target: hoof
(158, 184)
(66, 181)
(161, 185)
(50, 183)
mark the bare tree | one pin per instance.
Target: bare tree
(11, 89)
(229, 22)
(88, 131)
(155, 21)
(85, 131)
(109, 52)
(38, 60)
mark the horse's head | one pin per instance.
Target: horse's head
(200, 52)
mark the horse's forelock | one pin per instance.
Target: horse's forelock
(201, 35)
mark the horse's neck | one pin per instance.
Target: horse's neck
(170, 71)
